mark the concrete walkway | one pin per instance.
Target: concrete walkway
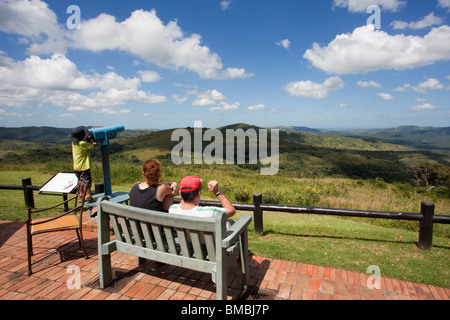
(55, 272)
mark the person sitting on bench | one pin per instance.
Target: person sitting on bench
(190, 190)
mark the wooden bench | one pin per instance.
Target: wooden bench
(204, 245)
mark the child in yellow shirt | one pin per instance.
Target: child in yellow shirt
(81, 147)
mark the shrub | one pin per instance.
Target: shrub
(378, 183)
(402, 189)
(242, 194)
(228, 188)
(271, 196)
(440, 193)
(309, 196)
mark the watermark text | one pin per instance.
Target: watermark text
(258, 141)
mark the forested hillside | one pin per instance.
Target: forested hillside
(302, 154)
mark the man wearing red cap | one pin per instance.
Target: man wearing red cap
(190, 190)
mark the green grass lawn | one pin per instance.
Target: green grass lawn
(352, 245)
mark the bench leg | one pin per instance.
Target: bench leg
(104, 259)
(244, 259)
(141, 261)
(105, 270)
(221, 277)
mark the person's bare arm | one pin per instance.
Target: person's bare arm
(166, 192)
(213, 186)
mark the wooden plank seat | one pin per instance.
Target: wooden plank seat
(199, 244)
(63, 223)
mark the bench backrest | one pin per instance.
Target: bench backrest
(164, 233)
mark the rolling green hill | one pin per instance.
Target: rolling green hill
(50, 135)
(302, 154)
(423, 138)
(36, 134)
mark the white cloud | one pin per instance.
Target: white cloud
(35, 21)
(57, 80)
(362, 5)
(208, 98)
(113, 111)
(223, 106)
(149, 76)
(257, 107)
(4, 113)
(232, 73)
(164, 45)
(386, 96)
(367, 49)
(179, 99)
(427, 21)
(423, 87)
(66, 115)
(444, 4)
(310, 89)
(370, 84)
(425, 106)
(430, 84)
(55, 73)
(225, 4)
(284, 43)
(403, 88)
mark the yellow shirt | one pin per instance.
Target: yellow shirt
(81, 155)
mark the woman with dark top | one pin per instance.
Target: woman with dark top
(150, 194)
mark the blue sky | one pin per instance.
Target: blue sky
(164, 64)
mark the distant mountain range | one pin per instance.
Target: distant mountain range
(421, 138)
(52, 135)
(304, 152)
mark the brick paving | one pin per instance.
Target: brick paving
(54, 271)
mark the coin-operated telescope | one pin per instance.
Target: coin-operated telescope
(102, 136)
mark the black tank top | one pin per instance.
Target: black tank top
(145, 198)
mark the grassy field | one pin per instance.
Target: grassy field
(349, 243)
(354, 246)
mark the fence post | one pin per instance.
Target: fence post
(258, 214)
(426, 226)
(28, 193)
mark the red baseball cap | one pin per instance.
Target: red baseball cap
(190, 183)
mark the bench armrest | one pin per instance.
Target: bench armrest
(236, 230)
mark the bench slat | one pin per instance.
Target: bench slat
(126, 229)
(210, 246)
(137, 233)
(116, 227)
(158, 238)
(148, 235)
(197, 244)
(186, 248)
(170, 240)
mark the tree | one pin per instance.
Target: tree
(431, 174)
